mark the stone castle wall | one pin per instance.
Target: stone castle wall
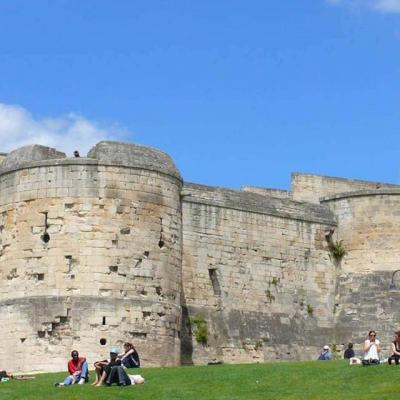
(113, 247)
(110, 271)
(258, 270)
(311, 188)
(369, 226)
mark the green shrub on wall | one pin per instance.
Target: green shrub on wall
(337, 250)
(199, 329)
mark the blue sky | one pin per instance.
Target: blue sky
(237, 92)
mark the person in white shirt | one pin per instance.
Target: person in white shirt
(372, 349)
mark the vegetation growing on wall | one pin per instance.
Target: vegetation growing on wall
(199, 329)
(337, 250)
(270, 296)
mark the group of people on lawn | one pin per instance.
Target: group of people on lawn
(372, 350)
(107, 371)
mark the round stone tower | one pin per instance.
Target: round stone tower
(90, 255)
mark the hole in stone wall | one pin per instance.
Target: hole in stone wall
(103, 341)
(114, 242)
(212, 272)
(161, 242)
(138, 335)
(146, 253)
(40, 277)
(68, 261)
(45, 237)
(69, 205)
(113, 268)
(158, 290)
(146, 314)
(41, 334)
(125, 231)
(104, 320)
(22, 339)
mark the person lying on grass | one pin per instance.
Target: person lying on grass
(5, 374)
(78, 371)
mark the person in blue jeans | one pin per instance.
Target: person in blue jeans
(78, 371)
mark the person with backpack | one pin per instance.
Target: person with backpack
(326, 354)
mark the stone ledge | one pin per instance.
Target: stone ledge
(66, 300)
(361, 193)
(80, 161)
(253, 202)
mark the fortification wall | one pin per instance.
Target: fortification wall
(111, 269)
(257, 269)
(310, 188)
(281, 194)
(98, 250)
(369, 225)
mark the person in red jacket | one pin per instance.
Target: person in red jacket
(78, 371)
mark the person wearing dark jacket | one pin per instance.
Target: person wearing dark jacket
(395, 348)
(349, 352)
(130, 357)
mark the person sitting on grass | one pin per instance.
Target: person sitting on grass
(112, 371)
(349, 352)
(395, 347)
(78, 371)
(372, 348)
(130, 357)
(325, 354)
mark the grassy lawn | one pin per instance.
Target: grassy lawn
(280, 381)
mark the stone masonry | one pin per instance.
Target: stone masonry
(115, 247)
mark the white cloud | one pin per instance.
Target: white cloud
(387, 6)
(383, 6)
(18, 127)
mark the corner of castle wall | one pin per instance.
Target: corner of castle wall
(311, 188)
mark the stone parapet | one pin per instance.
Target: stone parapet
(254, 202)
(310, 188)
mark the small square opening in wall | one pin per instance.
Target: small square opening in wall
(40, 277)
(103, 341)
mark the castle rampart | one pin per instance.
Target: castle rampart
(114, 246)
(90, 256)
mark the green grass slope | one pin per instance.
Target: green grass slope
(291, 380)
